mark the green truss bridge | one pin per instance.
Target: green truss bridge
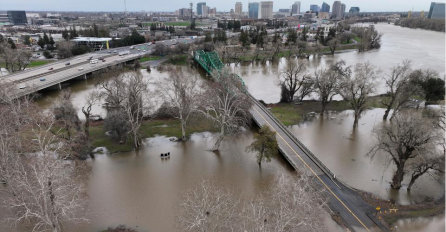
(355, 212)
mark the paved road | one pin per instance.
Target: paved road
(29, 81)
(343, 200)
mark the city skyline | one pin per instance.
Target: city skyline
(140, 5)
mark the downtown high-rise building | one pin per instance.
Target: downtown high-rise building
(353, 11)
(336, 10)
(436, 11)
(314, 8)
(238, 8)
(253, 10)
(295, 8)
(343, 7)
(201, 8)
(325, 7)
(266, 10)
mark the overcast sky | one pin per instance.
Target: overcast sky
(172, 5)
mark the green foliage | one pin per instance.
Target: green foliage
(264, 144)
(11, 43)
(244, 39)
(428, 24)
(433, 88)
(47, 55)
(134, 38)
(40, 42)
(208, 37)
(79, 50)
(292, 36)
(26, 40)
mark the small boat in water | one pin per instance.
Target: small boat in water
(165, 155)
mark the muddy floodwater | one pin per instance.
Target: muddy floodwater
(424, 48)
(141, 190)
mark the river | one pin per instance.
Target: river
(140, 190)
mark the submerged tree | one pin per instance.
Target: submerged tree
(295, 79)
(357, 88)
(182, 92)
(408, 136)
(226, 105)
(264, 144)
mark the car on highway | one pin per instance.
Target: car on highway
(103, 60)
(67, 64)
(22, 86)
(80, 69)
(115, 51)
(42, 79)
(109, 51)
(50, 68)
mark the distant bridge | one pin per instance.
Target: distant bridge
(355, 212)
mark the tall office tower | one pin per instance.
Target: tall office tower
(436, 10)
(238, 8)
(353, 11)
(343, 7)
(295, 9)
(253, 10)
(325, 7)
(314, 8)
(336, 11)
(200, 7)
(266, 10)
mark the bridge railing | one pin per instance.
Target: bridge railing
(294, 139)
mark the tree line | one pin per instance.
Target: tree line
(423, 23)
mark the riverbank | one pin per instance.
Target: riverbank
(293, 113)
(149, 128)
(389, 213)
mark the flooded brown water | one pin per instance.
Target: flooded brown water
(425, 48)
(140, 190)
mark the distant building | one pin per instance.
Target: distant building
(343, 7)
(295, 8)
(253, 10)
(323, 15)
(17, 17)
(284, 10)
(353, 11)
(436, 11)
(4, 18)
(266, 10)
(184, 12)
(336, 10)
(238, 8)
(201, 7)
(325, 7)
(314, 8)
(93, 42)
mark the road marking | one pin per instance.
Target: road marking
(308, 166)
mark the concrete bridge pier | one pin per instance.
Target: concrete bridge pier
(60, 86)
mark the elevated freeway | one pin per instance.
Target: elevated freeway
(53, 74)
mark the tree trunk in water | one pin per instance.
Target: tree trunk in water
(87, 127)
(398, 176)
(183, 131)
(355, 123)
(386, 114)
(323, 108)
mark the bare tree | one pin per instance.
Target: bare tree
(408, 136)
(401, 87)
(91, 99)
(135, 103)
(65, 113)
(64, 49)
(295, 204)
(358, 88)
(333, 44)
(294, 77)
(326, 82)
(208, 207)
(226, 105)
(182, 92)
(39, 185)
(15, 60)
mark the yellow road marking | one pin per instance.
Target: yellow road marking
(308, 166)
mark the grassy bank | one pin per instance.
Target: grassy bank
(292, 113)
(178, 59)
(144, 59)
(32, 64)
(166, 127)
